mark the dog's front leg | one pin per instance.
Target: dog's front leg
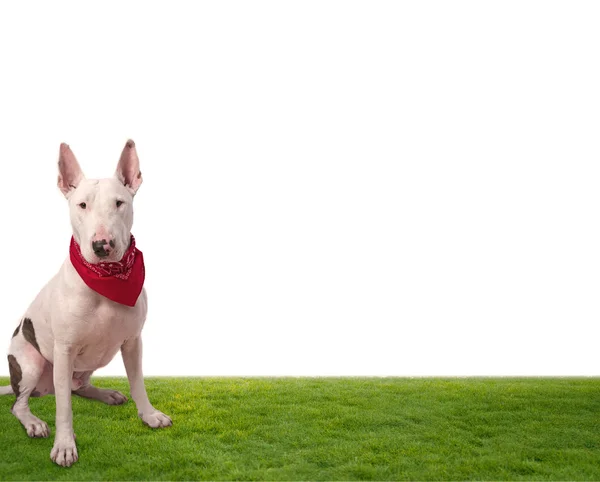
(131, 351)
(64, 451)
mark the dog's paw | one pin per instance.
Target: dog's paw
(64, 452)
(156, 419)
(113, 397)
(37, 428)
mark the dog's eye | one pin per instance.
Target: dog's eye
(119, 203)
(82, 205)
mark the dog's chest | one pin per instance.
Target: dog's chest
(104, 332)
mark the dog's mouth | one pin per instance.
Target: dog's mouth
(113, 256)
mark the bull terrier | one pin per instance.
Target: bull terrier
(93, 307)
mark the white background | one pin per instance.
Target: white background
(330, 188)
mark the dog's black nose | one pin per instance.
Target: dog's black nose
(99, 248)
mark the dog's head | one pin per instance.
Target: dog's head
(101, 209)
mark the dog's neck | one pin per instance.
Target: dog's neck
(108, 268)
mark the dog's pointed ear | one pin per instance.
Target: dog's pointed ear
(69, 172)
(128, 169)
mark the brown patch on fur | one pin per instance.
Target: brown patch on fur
(15, 374)
(16, 332)
(139, 174)
(29, 333)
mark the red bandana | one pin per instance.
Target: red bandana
(120, 281)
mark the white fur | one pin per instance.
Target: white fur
(78, 330)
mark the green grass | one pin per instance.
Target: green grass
(325, 429)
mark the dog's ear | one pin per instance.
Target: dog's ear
(69, 172)
(128, 169)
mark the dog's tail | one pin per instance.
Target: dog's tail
(7, 390)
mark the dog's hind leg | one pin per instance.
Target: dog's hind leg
(7, 390)
(26, 366)
(87, 390)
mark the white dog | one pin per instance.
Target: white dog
(94, 306)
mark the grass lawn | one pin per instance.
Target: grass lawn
(324, 429)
